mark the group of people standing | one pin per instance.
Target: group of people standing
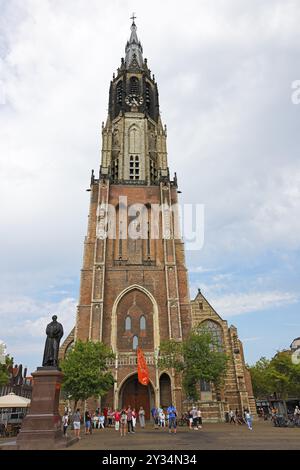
(123, 420)
(236, 417)
(165, 418)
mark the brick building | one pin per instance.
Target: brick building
(134, 286)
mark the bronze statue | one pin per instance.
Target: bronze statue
(54, 332)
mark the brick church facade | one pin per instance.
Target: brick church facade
(134, 289)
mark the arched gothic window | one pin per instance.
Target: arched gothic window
(215, 330)
(135, 342)
(128, 323)
(142, 323)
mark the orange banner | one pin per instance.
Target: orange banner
(143, 373)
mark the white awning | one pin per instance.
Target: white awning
(14, 401)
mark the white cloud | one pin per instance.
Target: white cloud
(250, 339)
(238, 304)
(23, 315)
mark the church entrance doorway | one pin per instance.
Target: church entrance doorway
(136, 395)
(165, 391)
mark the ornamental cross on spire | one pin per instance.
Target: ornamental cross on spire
(133, 17)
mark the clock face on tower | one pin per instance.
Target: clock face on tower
(134, 100)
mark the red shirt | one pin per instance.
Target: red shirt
(117, 416)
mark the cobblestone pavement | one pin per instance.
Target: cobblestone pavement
(211, 436)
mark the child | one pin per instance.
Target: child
(162, 418)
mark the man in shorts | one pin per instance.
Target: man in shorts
(172, 418)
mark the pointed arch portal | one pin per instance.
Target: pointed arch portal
(136, 395)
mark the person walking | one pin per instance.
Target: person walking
(190, 419)
(162, 418)
(87, 421)
(199, 418)
(101, 421)
(194, 415)
(172, 418)
(297, 415)
(65, 423)
(117, 417)
(129, 420)
(123, 423)
(105, 413)
(95, 420)
(231, 417)
(248, 419)
(76, 423)
(142, 417)
(134, 416)
(154, 414)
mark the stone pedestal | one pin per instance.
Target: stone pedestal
(42, 426)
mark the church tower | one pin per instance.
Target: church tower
(134, 288)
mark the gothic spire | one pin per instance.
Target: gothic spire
(133, 49)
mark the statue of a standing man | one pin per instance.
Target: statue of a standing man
(54, 332)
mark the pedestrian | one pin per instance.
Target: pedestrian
(65, 423)
(123, 423)
(297, 415)
(231, 417)
(87, 420)
(162, 418)
(248, 419)
(110, 417)
(190, 419)
(96, 421)
(101, 421)
(129, 420)
(142, 417)
(172, 418)
(154, 415)
(117, 417)
(134, 416)
(76, 423)
(199, 417)
(194, 415)
(105, 413)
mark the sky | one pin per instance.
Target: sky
(225, 72)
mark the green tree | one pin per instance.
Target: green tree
(85, 371)
(198, 357)
(4, 370)
(285, 375)
(262, 382)
(278, 375)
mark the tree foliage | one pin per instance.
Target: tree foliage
(85, 371)
(198, 357)
(4, 370)
(278, 376)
